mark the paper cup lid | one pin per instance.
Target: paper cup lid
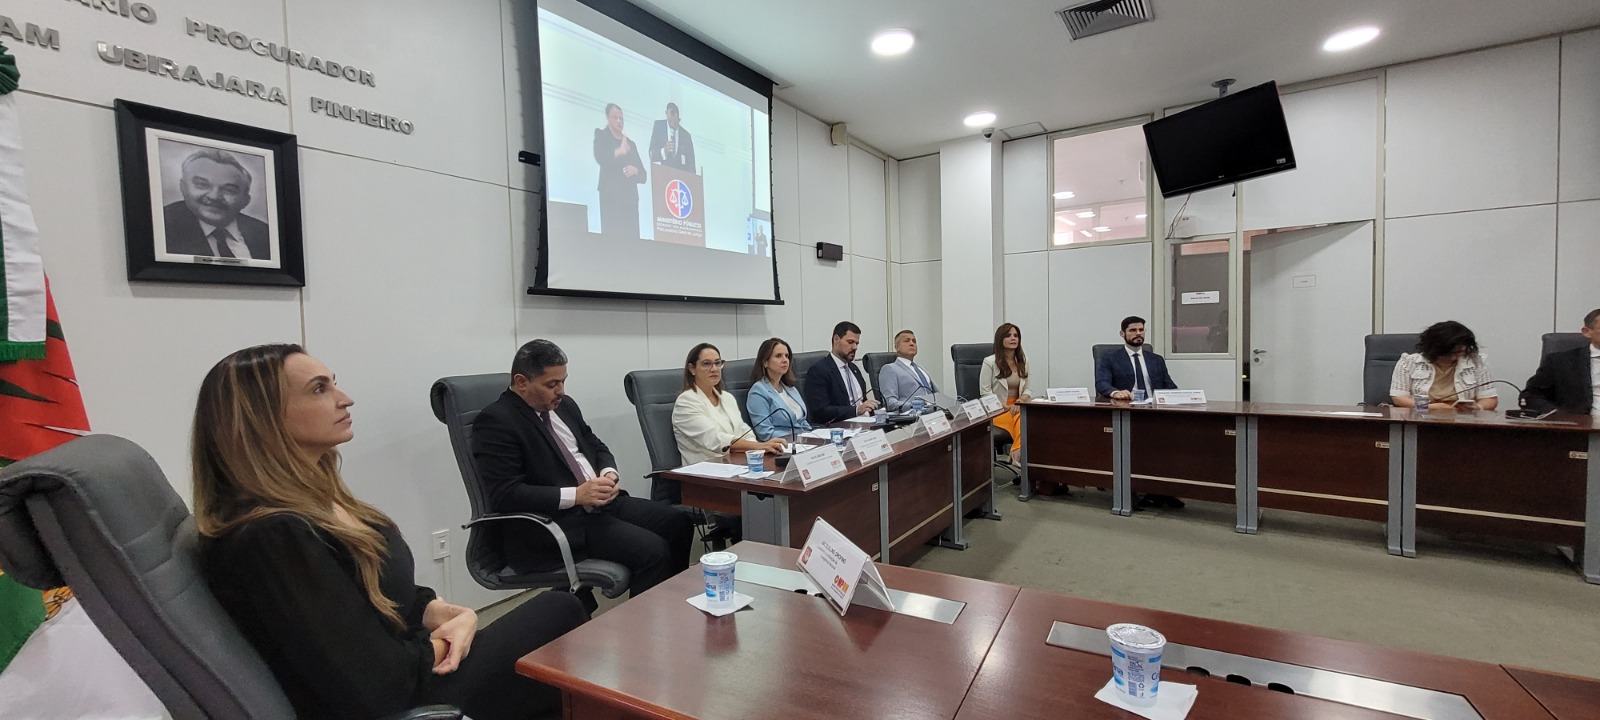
(1136, 636)
(718, 559)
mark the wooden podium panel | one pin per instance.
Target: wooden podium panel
(677, 206)
(1324, 466)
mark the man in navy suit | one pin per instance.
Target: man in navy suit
(208, 220)
(835, 389)
(1569, 380)
(1119, 373)
(670, 144)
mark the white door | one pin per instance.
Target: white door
(1310, 310)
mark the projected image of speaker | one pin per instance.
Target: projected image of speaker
(1231, 139)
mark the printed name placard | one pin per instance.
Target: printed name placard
(869, 446)
(992, 403)
(973, 409)
(1180, 397)
(934, 424)
(817, 465)
(840, 568)
(1068, 395)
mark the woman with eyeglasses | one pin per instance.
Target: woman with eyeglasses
(1447, 368)
(705, 418)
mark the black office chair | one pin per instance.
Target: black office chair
(801, 363)
(97, 515)
(1377, 369)
(968, 361)
(456, 402)
(1556, 342)
(874, 363)
(736, 380)
(653, 393)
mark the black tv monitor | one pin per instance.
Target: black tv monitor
(1227, 140)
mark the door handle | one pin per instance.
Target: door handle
(1258, 352)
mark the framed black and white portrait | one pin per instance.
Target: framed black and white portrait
(208, 201)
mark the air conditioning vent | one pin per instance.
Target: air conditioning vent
(1103, 16)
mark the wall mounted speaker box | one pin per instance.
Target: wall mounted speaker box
(829, 251)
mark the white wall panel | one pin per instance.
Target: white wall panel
(1577, 257)
(1580, 116)
(868, 204)
(1472, 132)
(786, 220)
(869, 303)
(676, 327)
(452, 94)
(140, 350)
(1026, 190)
(1335, 135)
(453, 306)
(919, 210)
(824, 185)
(1208, 212)
(759, 322)
(1490, 270)
(76, 71)
(1091, 290)
(1028, 307)
(1216, 376)
(825, 287)
(919, 310)
(967, 172)
(520, 57)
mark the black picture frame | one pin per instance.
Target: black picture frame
(207, 200)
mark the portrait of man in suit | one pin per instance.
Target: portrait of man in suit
(208, 218)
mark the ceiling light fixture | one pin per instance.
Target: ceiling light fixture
(1350, 39)
(893, 42)
(1102, 228)
(982, 118)
(1064, 195)
(1086, 233)
(1086, 214)
(1140, 216)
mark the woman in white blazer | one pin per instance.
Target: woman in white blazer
(1005, 375)
(705, 417)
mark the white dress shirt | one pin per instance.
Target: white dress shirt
(1141, 369)
(1594, 379)
(851, 386)
(235, 240)
(569, 495)
(923, 381)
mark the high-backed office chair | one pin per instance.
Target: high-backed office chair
(653, 393)
(736, 380)
(968, 361)
(1098, 351)
(97, 515)
(801, 363)
(873, 363)
(1377, 369)
(456, 402)
(1556, 342)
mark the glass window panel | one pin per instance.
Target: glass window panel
(1098, 187)
(1200, 298)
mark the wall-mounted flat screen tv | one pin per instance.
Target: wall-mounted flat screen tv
(1227, 140)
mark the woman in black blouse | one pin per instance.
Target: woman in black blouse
(320, 582)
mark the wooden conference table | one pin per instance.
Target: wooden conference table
(888, 507)
(1477, 472)
(790, 655)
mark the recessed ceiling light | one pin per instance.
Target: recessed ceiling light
(1086, 214)
(1102, 228)
(1064, 195)
(979, 119)
(1350, 39)
(893, 42)
(1086, 233)
(1140, 216)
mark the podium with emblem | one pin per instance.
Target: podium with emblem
(677, 206)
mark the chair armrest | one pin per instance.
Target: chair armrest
(550, 526)
(428, 712)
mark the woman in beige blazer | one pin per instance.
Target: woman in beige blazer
(1005, 375)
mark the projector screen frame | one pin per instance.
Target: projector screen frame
(643, 22)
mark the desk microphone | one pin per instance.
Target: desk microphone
(1453, 395)
(779, 409)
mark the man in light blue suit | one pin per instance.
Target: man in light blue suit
(903, 380)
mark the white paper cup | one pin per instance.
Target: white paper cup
(1136, 662)
(718, 570)
(755, 460)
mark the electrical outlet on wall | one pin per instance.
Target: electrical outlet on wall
(441, 544)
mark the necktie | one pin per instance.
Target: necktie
(1139, 379)
(572, 462)
(923, 377)
(222, 237)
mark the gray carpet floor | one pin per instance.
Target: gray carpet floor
(1475, 598)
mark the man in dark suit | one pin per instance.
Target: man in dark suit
(535, 453)
(670, 144)
(1134, 367)
(835, 389)
(1119, 373)
(1569, 380)
(208, 221)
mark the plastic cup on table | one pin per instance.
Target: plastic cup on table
(917, 404)
(755, 461)
(837, 435)
(1421, 403)
(717, 567)
(1136, 662)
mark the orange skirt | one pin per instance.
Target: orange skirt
(1011, 424)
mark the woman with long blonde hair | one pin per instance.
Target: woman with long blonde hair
(1005, 375)
(321, 583)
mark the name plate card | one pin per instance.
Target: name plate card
(974, 409)
(817, 465)
(935, 424)
(1180, 397)
(1068, 395)
(840, 568)
(869, 446)
(991, 403)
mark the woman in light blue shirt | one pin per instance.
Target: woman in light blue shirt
(772, 386)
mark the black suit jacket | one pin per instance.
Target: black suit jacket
(186, 237)
(827, 398)
(1562, 382)
(683, 159)
(521, 469)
